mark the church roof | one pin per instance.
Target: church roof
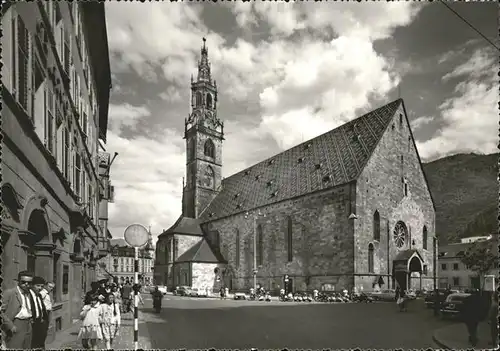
(331, 159)
(185, 225)
(201, 252)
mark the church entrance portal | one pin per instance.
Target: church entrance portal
(406, 263)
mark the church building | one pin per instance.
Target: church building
(350, 208)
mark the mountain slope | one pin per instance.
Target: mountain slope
(465, 191)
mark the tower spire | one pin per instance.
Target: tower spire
(204, 64)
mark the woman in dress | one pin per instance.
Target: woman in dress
(90, 330)
(111, 320)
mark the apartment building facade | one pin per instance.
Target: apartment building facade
(453, 272)
(120, 263)
(56, 79)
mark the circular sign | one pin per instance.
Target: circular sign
(136, 235)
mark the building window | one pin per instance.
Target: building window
(78, 169)
(401, 119)
(425, 269)
(400, 234)
(289, 239)
(198, 99)
(23, 58)
(49, 120)
(176, 248)
(260, 246)
(55, 278)
(237, 248)
(209, 178)
(455, 266)
(65, 279)
(443, 266)
(209, 148)
(406, 188)
(456, 281)
(370, 258)
(424, 238)
(209, 101)
(376, 226)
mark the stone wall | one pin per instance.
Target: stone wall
(322, 242)
(381, 187)
(185, 242)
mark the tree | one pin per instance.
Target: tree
(481, 257)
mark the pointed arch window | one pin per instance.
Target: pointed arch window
(370, 258)
(376, 226)
(424, 237)
(237, 248)
(209, 148)
(199, 99)
(209, 178)
(209, 100)
(260, 246)
(289, 239)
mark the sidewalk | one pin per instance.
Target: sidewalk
(455, 337)
(67, 339)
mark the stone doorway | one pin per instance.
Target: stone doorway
(406, 263)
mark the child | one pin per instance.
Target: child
(110, 321)
(90, 331)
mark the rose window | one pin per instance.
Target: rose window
(400, 234)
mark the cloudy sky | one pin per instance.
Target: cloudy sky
(286, 73)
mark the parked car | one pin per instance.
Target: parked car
(161, 288)
(193, 292)
(182, 291)
(452, 306)
(384, 295)
(240, 296)
(441, 297)
(411, 294)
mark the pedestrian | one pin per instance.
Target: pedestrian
(221, 292)
(111, 320)
(400, 300)
(45, 293)
(493, 320)
(472, 314)
(94, 286)
(126, 297)
(90, 330)
(16, 313)
(40, 324)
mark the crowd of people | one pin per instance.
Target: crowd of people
(101, 314)
(26, 311)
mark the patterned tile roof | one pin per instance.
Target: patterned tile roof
(185, 225)
(201, 252)
(331, 159)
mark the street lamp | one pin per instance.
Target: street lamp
(247, 215)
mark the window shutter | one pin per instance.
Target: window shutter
(23, 61)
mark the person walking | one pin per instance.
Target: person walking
(126, 297)
(472, 314)
(94, 287)
(41, 319)
(17, 307)
(493, 319)
(90, 330)
(111, 320)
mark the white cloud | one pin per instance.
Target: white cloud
(147, 175)
(471, 116)
(125, 115)
(171, 94)
(420, 121)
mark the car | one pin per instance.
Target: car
(182, 291)
(411, 294)
(240, 296)
(384, 295)
(162, 289)
(442, 294)
(193, 292)
(452, 305)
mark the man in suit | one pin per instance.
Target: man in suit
(17, 313)
(41, 319)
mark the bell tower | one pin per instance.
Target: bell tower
(204, 134)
